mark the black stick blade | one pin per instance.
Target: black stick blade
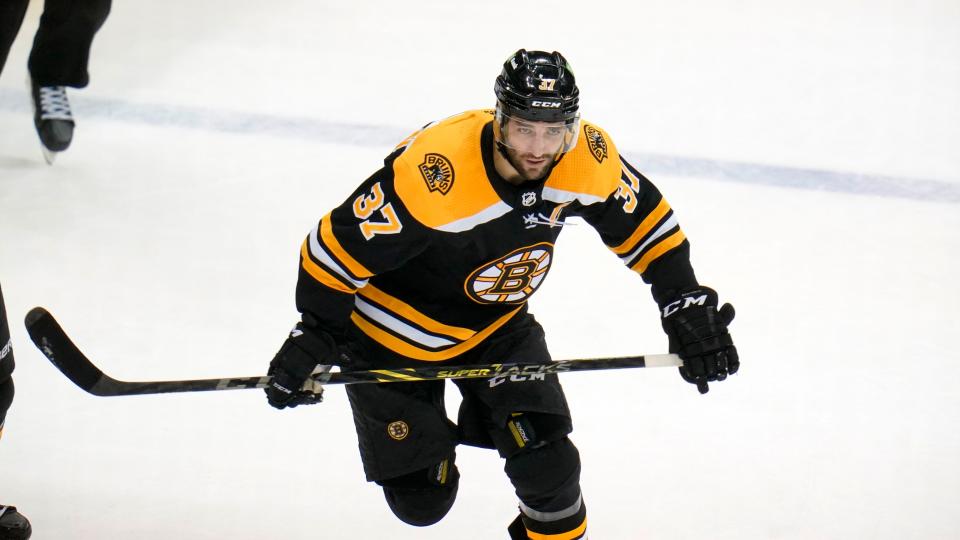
(50, 338)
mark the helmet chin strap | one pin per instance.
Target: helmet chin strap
(502, 148)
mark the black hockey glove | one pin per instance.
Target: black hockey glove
(698, 333)
(306, 352)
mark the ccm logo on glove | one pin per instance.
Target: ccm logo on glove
(698, 332)
(672, 307)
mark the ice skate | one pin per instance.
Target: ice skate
(13, 525)
(52, 117)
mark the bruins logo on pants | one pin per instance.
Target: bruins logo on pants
(398, 430)
(510, 279)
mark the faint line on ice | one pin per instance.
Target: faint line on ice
(385, 136)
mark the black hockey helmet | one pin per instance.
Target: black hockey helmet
(538, 86)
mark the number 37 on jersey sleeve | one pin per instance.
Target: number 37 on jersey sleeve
(365, 208)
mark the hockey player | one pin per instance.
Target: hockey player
(13, 526)
(433, 259)
(61, 50)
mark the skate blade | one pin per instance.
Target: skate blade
(48, 155)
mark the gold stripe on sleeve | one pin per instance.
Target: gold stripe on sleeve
(644, 228)
(321, 275)
(664, 246)
(330, 241)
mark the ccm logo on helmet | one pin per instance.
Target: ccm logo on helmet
(546, 104)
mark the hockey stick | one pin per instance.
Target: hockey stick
(50, 338)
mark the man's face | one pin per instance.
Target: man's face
(532, 146)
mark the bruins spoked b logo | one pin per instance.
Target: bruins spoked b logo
(510, 279)
(437, 172)
(398, 430)
(596, 142)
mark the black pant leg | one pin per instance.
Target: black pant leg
(6, 398)
(6, 363)
(401, 427)
(11, 17)
(61, 48)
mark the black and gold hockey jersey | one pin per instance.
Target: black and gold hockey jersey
(435, 251)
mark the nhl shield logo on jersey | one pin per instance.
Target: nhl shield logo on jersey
(437, 171)
(510, 279)
(596, 142)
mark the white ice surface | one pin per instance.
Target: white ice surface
(215, 134)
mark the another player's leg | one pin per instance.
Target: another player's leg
(6, 364)
(13, 526)
(59, 58)
(11, 17)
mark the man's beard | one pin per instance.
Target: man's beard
(529, 173)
